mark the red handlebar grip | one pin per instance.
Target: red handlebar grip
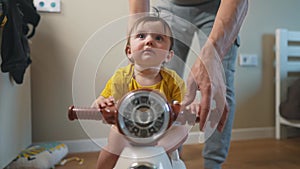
(72, 114)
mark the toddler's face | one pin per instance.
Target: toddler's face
(150, 45)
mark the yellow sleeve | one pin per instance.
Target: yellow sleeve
(174, 85)
(179, 88)
(115, 88)
(117, 85)
(106, 92)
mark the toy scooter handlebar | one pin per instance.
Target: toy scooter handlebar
(76, 113)
(107, 115)
(142, 115)
(90, 113)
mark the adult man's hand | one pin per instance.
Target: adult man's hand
(207, 76)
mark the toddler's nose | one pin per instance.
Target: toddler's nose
(149, 41)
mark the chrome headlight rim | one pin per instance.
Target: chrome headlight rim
(153, 125)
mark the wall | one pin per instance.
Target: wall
(255, 86)
(60, 38)
(55, 48)
(15, 116)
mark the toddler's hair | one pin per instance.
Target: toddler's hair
(145, 19)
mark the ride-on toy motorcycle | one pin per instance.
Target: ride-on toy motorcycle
(143, 116)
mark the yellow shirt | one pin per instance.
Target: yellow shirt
(171, 85)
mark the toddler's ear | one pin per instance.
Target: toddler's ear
(128, 50)
(128, 53)
(169, 56)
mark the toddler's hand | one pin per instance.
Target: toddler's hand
(102, 102)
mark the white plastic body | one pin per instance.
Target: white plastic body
(147, 154)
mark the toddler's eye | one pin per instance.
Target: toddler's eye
(159, 38)
(140, 35)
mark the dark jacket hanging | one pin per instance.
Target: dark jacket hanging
(15, 50)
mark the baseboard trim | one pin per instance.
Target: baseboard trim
(87, 145)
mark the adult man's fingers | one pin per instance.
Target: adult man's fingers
(223, 119)
(191, 91)
(204, 109)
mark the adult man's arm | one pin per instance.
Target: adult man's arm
(229, 19)
(228, 22)
(138, 6)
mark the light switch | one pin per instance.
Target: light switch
(248, 60)
(47, 5)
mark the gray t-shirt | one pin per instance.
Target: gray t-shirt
(189, 2)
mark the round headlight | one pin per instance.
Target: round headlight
(144, 116)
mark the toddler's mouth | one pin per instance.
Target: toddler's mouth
(148, 51)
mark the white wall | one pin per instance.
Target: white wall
(15, 117)
(59, 38)
(55, 48)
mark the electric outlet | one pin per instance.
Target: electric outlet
(47, 5)
(248, 60)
